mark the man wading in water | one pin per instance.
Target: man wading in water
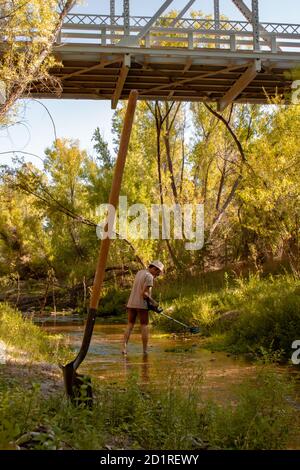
(137, 303)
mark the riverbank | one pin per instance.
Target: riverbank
(136, 413)
(257, 316)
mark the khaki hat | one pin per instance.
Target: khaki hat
(158, 265)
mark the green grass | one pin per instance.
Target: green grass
(134, 417)
(22, 334)
(268, 309)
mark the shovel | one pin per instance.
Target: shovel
(78, 387)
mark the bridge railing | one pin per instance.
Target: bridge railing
(188, 33)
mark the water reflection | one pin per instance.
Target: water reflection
(130, 367)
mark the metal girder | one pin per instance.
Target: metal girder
(240, 85)
(183, 12)
(132, 41)
(121, 81)
(217, 17)
(217, 13)
(243, 9)
(255, 24)
(112, 11)
(112, 14)
(247, 13)
(126, 14)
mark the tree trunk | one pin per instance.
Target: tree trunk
(159, 121)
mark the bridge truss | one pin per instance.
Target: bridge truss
(182, 58)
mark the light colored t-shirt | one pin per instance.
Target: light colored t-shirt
(142, 279)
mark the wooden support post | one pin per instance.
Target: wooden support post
(114, 195)
(121, 81)
(240, 85)
(73, 382)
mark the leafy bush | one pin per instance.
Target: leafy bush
(113, 302)
(271, 316)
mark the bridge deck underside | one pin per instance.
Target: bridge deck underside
(180, 79)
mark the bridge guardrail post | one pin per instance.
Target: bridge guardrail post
(274, 47)
(233, 42)
(191, 39)
(103, 37)
(148, 40)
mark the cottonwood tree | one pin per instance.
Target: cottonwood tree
(28, 31)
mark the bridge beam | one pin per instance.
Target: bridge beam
(247, 13)
(217, 17)
(101, 65)
(112, 11)
(255, 25)
(126, 14)
(121, 81)
(217, 13)
(112, 14)
(134, 40)
(240, 85)
(182, 13)
(175, 84)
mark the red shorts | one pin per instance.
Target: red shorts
(141, 312)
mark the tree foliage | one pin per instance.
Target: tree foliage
(28, 32)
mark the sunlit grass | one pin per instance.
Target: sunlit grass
(267, 312)
(21, 334)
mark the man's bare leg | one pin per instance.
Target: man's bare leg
(145, 337)
(127, 336)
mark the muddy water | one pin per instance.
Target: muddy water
(170, 358)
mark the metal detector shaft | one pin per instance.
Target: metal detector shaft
(177, 321)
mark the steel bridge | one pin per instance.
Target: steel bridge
(180, 58)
